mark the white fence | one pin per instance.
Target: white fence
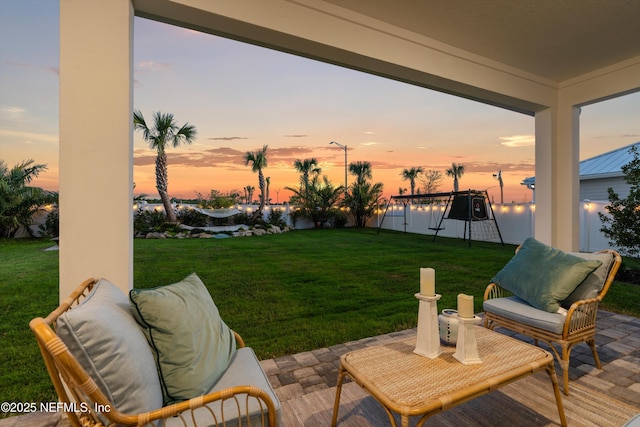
(514, 220)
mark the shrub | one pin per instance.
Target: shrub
(192, 218)
(145, 221)
(242, 218)
(275, 217)
(18, 201)
(217, 200)
(51, 226)
(339, 219)
(622, 225)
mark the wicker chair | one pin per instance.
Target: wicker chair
(86, 405)
(560, 331)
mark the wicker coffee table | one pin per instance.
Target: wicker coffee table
(412, 385)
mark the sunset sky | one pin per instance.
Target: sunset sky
(241, 97)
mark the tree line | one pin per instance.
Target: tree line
(431, 179)
(315, 198)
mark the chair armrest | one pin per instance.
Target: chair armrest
(582, 314)
(495, 291)
(239, 340)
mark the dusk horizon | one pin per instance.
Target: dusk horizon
(241, 97)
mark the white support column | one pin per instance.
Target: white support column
(96, 155)
(557, 177)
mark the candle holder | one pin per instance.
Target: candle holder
(428, 339)
(467, 346)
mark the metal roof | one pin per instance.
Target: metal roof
(605, 165)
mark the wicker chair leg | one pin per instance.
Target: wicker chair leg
(564, 364)
(592, 344)
(336, 404)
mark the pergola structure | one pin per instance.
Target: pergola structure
(541, 58)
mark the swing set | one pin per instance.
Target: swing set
(469, 206)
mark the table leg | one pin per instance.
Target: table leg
(336, 404)
(551, 370)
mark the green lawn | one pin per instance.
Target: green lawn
(284, 293)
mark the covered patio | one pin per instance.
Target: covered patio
(543, 61)
(306, 385)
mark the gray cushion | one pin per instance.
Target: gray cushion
(517, 309)
(542, 275)
(633, 422)
(191, 343)
(244, 369)
(103, 336)
(593, 284)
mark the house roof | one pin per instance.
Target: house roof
(605, 165)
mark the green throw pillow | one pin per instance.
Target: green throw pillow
(542, 275)
(191, 343)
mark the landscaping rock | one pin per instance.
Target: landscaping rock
(242, 231)
(155, 235)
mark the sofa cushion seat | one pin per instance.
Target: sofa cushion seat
(244, 369)
(517, 309)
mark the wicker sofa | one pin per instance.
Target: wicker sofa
(109, 365)
(567, 315)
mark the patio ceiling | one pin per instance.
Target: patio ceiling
(556, 40)
(511, 54)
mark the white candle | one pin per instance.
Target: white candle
(465, 306)
(427, 282)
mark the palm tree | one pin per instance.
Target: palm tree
(165, 131)
(248, 193)
(317, 201)
(327, 197)
(305, 167)
(258, 160)
(18, 201)
(362, 197)
(455, 171)
(267, 180)
(411, 175)
(362, 171)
